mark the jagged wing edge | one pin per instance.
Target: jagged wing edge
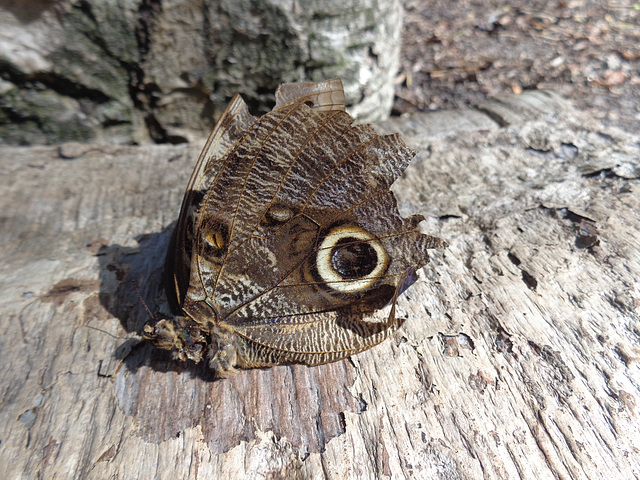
(326, 95)
(177, 278)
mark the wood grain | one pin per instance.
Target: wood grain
(518, 358)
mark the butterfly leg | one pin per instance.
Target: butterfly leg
(223, 352)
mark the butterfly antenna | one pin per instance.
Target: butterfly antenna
(135, 285)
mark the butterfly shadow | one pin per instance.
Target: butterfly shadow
(150, 382)
(132, 290)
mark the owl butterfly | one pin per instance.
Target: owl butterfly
(289, 238)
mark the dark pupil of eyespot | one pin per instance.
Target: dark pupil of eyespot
(352, 258)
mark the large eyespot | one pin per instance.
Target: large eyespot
(350, 259)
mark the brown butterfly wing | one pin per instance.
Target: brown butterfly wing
(290, 233)
(230, 129)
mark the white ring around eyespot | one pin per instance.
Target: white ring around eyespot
(325, 267)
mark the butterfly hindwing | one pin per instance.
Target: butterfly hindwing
(289, 237)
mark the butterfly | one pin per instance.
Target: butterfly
(289, 238)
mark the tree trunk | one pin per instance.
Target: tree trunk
(518, 358)
(151, 70)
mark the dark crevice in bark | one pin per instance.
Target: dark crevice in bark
(51, 81)
(145, 95)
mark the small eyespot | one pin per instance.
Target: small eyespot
(350, 259)
(279, 214)
(214, 237)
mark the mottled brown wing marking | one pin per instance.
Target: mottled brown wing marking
(284, 177)
(254, 229)
(238, 292)
(332, 172)
(321, 338)
(290, 169)
(253, 204)
(227, 299)
(211, 166)
(214, 207)
(229, 129)
(322, 120)
(279, 229)
(370, 168)
(378, 209)
(311, 163)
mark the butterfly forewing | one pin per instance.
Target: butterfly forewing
(230, 129)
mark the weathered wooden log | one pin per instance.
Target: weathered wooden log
(518, 358)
